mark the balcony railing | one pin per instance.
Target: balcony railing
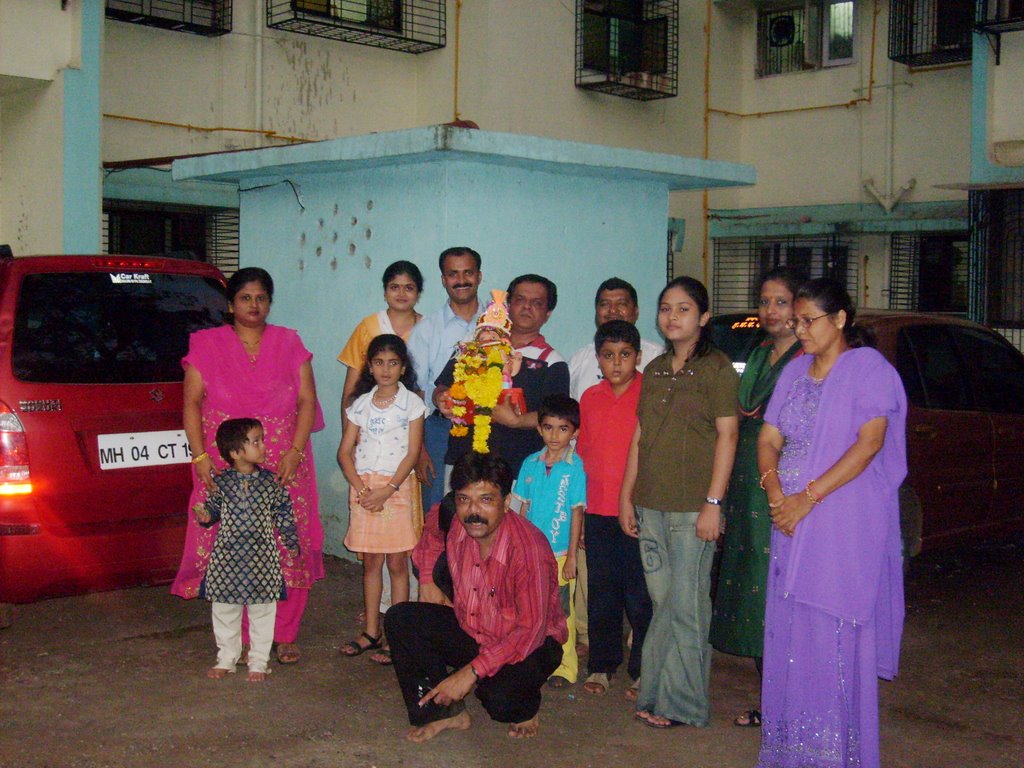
(410, 26)
(923, 33)
(199, 17)
(628, 48)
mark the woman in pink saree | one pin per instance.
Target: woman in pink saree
(252, 369)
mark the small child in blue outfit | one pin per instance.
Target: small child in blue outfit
(551, 491)
(245, 564)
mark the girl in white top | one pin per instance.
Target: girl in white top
(379, 448)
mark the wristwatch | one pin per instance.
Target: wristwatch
(712, 500)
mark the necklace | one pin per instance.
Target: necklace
(385, 402)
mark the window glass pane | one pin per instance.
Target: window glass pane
(943, 377)
(998, 370)
(97, 328)
(840, 30)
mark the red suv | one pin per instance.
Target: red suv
(94, 475)
(965, 421)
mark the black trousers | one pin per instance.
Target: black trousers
(615, 583)
(427, 643)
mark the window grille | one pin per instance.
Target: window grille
(1000, 15)
(409, 26)
(997, 257)
(628, 48)
(798, 37)
(199, 17)
(927, 32)
(188, 232)
(928, 272)
(739, 263)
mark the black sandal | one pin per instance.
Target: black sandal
(752, 717)
(353, 648)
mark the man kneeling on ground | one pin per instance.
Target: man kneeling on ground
(505, 632)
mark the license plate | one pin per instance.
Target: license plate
(143, 449)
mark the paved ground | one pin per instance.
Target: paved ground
(117, 679)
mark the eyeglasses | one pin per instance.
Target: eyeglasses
(803, 323)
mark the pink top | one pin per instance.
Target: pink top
(268, 390)
(507, 602)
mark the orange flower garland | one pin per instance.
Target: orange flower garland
(477, 387)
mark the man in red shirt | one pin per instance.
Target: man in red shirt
(505, 631)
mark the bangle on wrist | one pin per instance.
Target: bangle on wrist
(299, 451)
(815, 498)
(764, 476)
(776, 504)
(392, 485)
(200, 457)
(712, 500)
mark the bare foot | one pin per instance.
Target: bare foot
(216, 673)
(256, 677)
(525, 730)
(459, 722)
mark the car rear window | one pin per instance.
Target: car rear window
(109, 328)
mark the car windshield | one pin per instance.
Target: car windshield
(110, 328)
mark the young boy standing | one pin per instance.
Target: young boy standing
(615, 580)
(551, 491)
(245, 565)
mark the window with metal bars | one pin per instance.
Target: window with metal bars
(628, 48)
(798, 37)
(202, 234)
(739, 263)
(928, 272)
(927, 32)
(208, 18)
(997, 257)
(409, 26)
(1000, 15)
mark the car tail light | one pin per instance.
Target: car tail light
(128, 262)
(14, 472)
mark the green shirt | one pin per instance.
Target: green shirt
(677, 415)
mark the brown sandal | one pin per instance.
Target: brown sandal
(288, 653)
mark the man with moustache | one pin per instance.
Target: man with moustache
(514, 436)
(504, 631)
(431, 345)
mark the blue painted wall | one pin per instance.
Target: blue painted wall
(83, 188)
(328, 240)
(983, 170)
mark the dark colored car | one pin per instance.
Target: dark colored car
(94, 465)
(965, 421)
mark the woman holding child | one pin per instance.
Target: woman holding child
(737, 625)
(832, 454)
(251, 369)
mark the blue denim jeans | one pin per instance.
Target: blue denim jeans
(435, 438)
(676, 669)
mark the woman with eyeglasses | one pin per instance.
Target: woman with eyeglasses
(737, 624)
(832, 454)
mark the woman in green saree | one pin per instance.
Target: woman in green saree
(737, 625)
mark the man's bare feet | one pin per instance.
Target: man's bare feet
(216, 673)
(459, 722)
(525, 730)
(256, 677)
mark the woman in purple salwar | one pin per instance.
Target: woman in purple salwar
(832, 454)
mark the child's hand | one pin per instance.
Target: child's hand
(627, 520)
(201, 513)
(373, 500)
(709, 522)
(569, 567)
